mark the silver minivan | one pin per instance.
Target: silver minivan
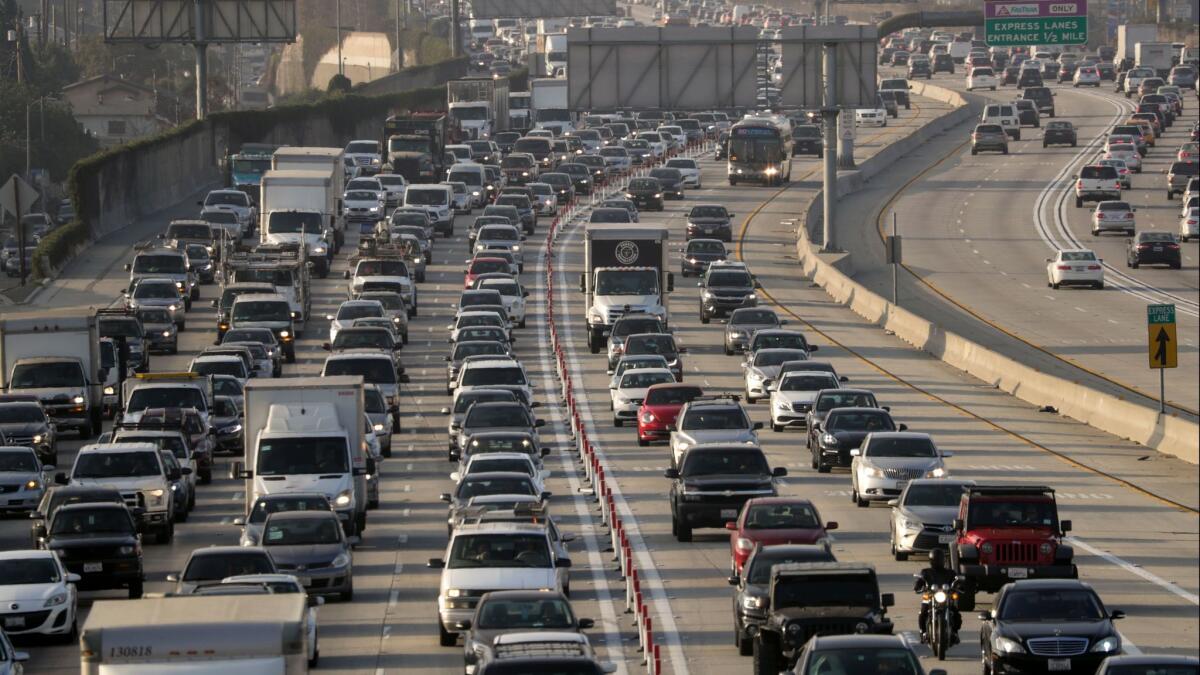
(438, 202)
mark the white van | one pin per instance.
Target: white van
(1004, 114)
(475, 178)
(437, 200)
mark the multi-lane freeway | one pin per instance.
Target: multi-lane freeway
(1134, 511)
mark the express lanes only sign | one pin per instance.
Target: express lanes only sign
(1037, 22)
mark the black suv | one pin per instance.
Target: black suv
(809, 599)
(943, 63)
(919, 69)
(99, 542)
(806, 139)
(713, 482)
(581, 176)
(1059, 133)
(699, 254)
(751, 595)
(1042, 97)
(646, 193)
(726, 287)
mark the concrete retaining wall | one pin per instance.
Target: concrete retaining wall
(416, 77)
(1168, 434)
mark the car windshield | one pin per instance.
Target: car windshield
(189, 232)
(214, 567)
(165, 397)
(748, 462)
(858, 661)
(714, 419)
(1050, 605)
(1164, 237)
(18, 571)
(826, 590)
(469, 320)
(172, 444)
(95, 521)
(462, 403)
(22, 413)
(159, 264)
(755, 317)
(361, 195)
(642, 379)
(626, 327)
(1078, 256)
(1151, 669)
(493, 375)
(498, 233)
(511, 415)
(292, 456)
(933, 494)
(227, 198)
(780, 341)
(363, 147)
(260, 335)
(765, 358)
(781, 517)
(509, 289)
(499, 550)
(302, 532)
(364, 338)
(1012, 513)
(63, 374)
(275, 504)
(262, 310)
(372, 370)
(663, 345)
(808, 382)
(760, 567)
(860, 421)
(464, 349)
(156, 290)
(517, 614)
(507, 485)
(116, 465)
(17, 461)
(730, 279)
(425, 197)
(350, 312)
(219, 367)
(696, 246)
(901, 447)
(513, 464)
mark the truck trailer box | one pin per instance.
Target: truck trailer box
(70, 334)
(1130, 34)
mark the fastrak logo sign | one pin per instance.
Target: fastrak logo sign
(1018, 10)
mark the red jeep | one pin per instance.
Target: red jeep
(1006, 533)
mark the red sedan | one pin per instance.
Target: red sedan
(659, 409)
(775, 520)
(479, 266)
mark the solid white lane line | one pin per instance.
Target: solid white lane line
(1137, 571)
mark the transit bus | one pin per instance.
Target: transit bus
(759, 150)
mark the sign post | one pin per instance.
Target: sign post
(17, 197)
(1010, 23)
(1161, 345)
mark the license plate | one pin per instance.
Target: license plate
(1158, 249)
(305, 581)
(1058, 665)
(1079, 268)
(947, 538)
(731, 514)
(1018, 573)
(900, 484)
(14, 622)
(93, 567)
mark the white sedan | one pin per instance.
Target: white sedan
(631, 389)
(981, 78)
(690, 170)
(518, 462)
(1189, 225)
(1113, 215)
(1126, 152)
(876, 117)
(1087, 76)
(1075, 267)
(792, 399)
(37, 595)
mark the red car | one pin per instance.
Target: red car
(480, 266)
(659, 409)
(774, 520)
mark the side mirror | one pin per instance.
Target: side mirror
(329, 317)
(465, 624)
(562, 562)
(435, 563)
(779, 472)
(831, 525)
(586, 623)
(1116, 614)
(346, 274)
(957, 524)
(445, 496)
(843, 378)
(856, 452)
(240, 521)
(947, 453)
(903, 427)
(445, 411)
(456, 476)
(731, 525)
(326, 346)
(985, 616)
(546, 494)
(60, 478)
(173, 578)
(733, 580)
(671, 473)
(1066, 526)
(887, 600)
(893, 503)
(540, 423)
(128, 267)
(757, 425)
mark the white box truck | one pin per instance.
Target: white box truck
(1130, 34)
(479, 105)
(231, 634)
(318, 159)
(55, 356)
(1156, 55)
(548, 103)
(305, 434)
(625, 270)
(556, 53)
(300, 206)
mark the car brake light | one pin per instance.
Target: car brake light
(1064, 267)
(1172, 246)
(1093, 267)
(1079, 184)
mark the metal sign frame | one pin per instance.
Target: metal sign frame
(174, 21)
(856, 59)
(668, 68)
(518, 9)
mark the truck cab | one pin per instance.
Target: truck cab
(1006, 533)
(295, 227)
(285, 269)
(168, 263)
(626, 272)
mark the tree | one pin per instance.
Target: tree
(63, 143)
(339, 84)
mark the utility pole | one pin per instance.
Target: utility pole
(455, 29)
(341, 68)
(399, 53)
(829, 114)
(201, 46)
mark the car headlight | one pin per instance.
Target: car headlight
(708, 295)
(475, 193)
(784, 405)
(127, 550)
(77, 400)
(830, 440)
(173, 308)
(374, 209)
(232, 429)
(1109, 644)
(344, 498)
(648, 417)
(753, 602)
(178, 284)
(658, 195)
(32, 485)
(1007, 646)
(516, 248)
(318, 250)
(456, 593)
(744, 544)
(939, 472)
(285, 334)
(56, 600)
(341, 560)
(156, 496)
(873, 471)
(109, 391)
(38, 438)
(378, 427)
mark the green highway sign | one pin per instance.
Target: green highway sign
(1160, 314)
(1044, 30)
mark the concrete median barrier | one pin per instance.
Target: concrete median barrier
(1141, 424)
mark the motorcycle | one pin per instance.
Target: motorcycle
(940, 627)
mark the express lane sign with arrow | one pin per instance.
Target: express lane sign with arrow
(1161, 341)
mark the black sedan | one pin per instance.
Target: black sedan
(843, 430)
(671, 181)
(581, 176)
(646, 193)
(1047, 625)
(1153, 248)
(711, 221)
(1059, 132)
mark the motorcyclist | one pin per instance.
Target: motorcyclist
(936, 575)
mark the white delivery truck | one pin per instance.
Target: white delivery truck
(55, 356)
(196, 634)
(547, 26)
(548, 104)
(1130, 34)
(625, 271)
(1156, 55)
(556, 53)
(479, 105)
(305, 434)
(300, 206)
(332, 160)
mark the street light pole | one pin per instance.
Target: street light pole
(341, 68)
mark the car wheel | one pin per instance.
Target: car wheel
(135, 589)
(704, 319)
(642, 442)
(1079, 202)
(728, 351)
(897, 554)
(776, 427)
(1099, 286)
(1095, 233)
(617, 422)
(446, 638)
(683, 533)
(1054, 285)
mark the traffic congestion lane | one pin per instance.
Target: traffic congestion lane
(980, 227)
(693, 574)
(390, 623)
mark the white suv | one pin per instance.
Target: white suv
(491, 556)
(1097, 184)
(1004, 114)
(137, 471)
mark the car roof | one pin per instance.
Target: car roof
(301, 515)
(1048, 584)
(780, 500)
(227, 550)
(114, 448)
(819, 642)
(23, 554)
(500, 527)
(877, 435)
